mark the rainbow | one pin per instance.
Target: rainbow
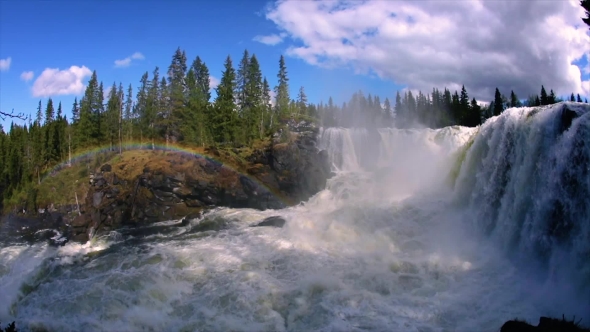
(171, 147)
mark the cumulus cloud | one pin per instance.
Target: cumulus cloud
(53, 82)
(273, 39)
(127, 61)
(5, 64)
(213, 82)
(27, 76)
(512, 45)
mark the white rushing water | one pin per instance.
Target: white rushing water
(419, 230)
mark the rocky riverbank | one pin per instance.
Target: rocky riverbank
(146, 186)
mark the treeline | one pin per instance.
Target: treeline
(434, 110)
(177, 107)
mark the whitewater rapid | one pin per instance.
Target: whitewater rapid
(400, 240)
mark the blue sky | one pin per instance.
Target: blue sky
(328, 49)
(60, 34)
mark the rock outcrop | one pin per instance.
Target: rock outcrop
(150, 186)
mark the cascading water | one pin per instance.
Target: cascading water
(526, 176)
(398, 241)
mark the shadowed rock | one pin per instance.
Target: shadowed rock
(274, 221)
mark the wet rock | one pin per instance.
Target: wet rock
(79, 221)
(274, 221)
(99, 182)
(97, 198)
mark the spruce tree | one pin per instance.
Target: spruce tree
(50, 154)
(464, 111)
(282, 92)
(128, 116)
(387, 113)
(142, 108)
(253, 101)
(572, 97)
(267, 112)
(301, 102)
(112, 116)
(399, 112)
(579, 98)
(242, 81)
(551, 99)
(514, 102)
(176, 92)
(544, 97)
(498, 103)
(223, 124)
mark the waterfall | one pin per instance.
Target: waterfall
(526, 177)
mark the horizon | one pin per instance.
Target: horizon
(332, 49)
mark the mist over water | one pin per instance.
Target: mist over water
(419, 230)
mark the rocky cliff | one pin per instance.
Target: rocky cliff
(146, 186)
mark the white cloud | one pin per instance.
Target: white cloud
(105, 92)
(273, 96)
(273, 39)
(512, 45)
(27, 76)
(213, 82)
(127, 61)
(5, 63)
(53, 82)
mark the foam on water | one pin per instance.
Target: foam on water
(378, 249)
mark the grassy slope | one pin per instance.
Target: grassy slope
(61, 187)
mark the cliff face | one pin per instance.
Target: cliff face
(147, 186)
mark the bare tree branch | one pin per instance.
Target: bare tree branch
(4, 115)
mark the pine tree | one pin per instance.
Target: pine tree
(204, 100)
(224, 120)
(399, 112)
(242, 81)
(282, 92)
(474, 116)
(579, 99)
(387, 113)
(142, 108)
(152, 107)
(59, 129)
(498, 103)
(544, 98)
(166, 119)
(191, 121)
(39, 118)
(464, 111)
(572, 97)
(177, 92)
(253, 101)
(128, 116)
(112, 116)
(514, 102)
(75, 111)
(267, 112)
(301, 102)
(50, 154)
(552, 99)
